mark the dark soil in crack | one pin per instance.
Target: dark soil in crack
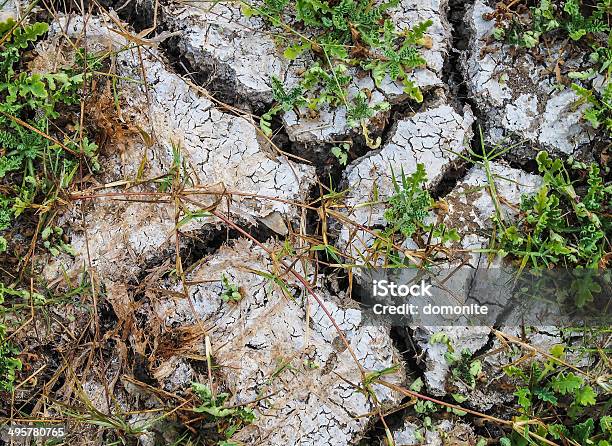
(138, 13)
(454, 78)
(219, 89)
(197, 247)
(451, 72)
(455, 174)
(375, 435)
(199, 244)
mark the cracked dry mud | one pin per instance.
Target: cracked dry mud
(241, 55)
(279, 342)
(308, 404)
(223, 153)
(519, 95)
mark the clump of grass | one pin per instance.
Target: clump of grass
(229, 418)
(40, 145)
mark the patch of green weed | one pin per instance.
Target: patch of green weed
(231, 291)
(231, 419)
(463, 367)
(547, 391)
(567, 222)
(409, 207)
(339, 36)
(38, 154)
(10, 364)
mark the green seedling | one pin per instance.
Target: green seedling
(231, 292)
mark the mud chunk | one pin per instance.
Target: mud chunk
(175, 130)
(519, 96)
(435, 138)
(239, 54)
(442, 433)
(267, 343)
(471, 210)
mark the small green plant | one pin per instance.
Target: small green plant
(231, 291)
(441, 338)
(9, 362)
(463, 367)
(530, 24)
(331, 252)
(461, 364)
(424, 407)
(177, 176)
(38, 155)
(341, 36)
(53, 241)
(598, 111)
(585, 24)
(341, 153)
(231, 418)
(410, 205)
(546, 391)
(562, 224)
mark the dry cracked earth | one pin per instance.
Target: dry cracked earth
(295, 348)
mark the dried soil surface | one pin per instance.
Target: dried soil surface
(295, 354)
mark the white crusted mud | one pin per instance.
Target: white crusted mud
(12, 9)
(471, 210)
(173, 127)
(436, 375)
(535, 342)
(445, 432)
(271, 343)
(519, 95)
(435, 137)
(241, 53)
